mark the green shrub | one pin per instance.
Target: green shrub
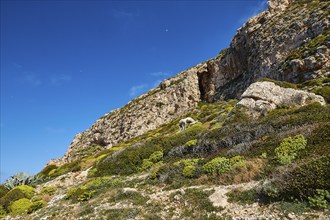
(50, 190)
(321, 199)
(195, 127)
(126, 162)
(37, 198)
(28, 191)
(52, 172)
(189, 171)
(87, 191)
(3, 190)
(323, 91)
(87, 195)
(11, 196)
(218, 165)
(289, 148)
(191, 143)
(295, 207)
(3, 212)
(73, 166)
(92, 172)
(243, 197)
(221, 165)
(237, 161)
(311, 83)
(146, 164)
(302, 180)
(312, 113)
(45, 171)
(188, 162)
(237, 115)
(213, 122)
(156, 156)
(20, 206)
(156, 168)
(74, 193)
(36, 205)
(97, 183)
(190, 166)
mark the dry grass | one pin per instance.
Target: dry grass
(87, 163)
(204, 179)
(46, 197)
(249, 171)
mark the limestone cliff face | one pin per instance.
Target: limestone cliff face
(289, 41)
(171, 99)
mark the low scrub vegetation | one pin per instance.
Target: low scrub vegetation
(287, 150)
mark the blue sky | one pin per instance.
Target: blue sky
(64, 64)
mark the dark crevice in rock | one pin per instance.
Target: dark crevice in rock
(202, 79)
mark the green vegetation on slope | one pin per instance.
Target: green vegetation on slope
(288, 150)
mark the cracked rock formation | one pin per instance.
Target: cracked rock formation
(261, 97)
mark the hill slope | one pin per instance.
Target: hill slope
(286, 42)
(266, 156)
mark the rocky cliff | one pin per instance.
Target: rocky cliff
(288, 41)
(173, 97)
(228, 165)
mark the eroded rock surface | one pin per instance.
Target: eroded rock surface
(261, 97)
(173, 98)
(289, 41)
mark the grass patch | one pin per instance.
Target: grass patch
(243, 197)
(194, 203)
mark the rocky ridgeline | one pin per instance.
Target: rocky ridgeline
(289, 41)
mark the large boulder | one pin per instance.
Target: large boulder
(261, 97)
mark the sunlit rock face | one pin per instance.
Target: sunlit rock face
(173, 98)
(261, 97)
(288, 41)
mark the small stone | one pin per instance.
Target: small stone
(322, 49)
(291, 216)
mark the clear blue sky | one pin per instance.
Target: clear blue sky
(66, 63)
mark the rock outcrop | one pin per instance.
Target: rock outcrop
(173, 98)
(261, 97)
(288, 41)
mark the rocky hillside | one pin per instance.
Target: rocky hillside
(289, 41)
(173, 98)
(259, 148)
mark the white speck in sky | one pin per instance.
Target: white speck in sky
(166, 30)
